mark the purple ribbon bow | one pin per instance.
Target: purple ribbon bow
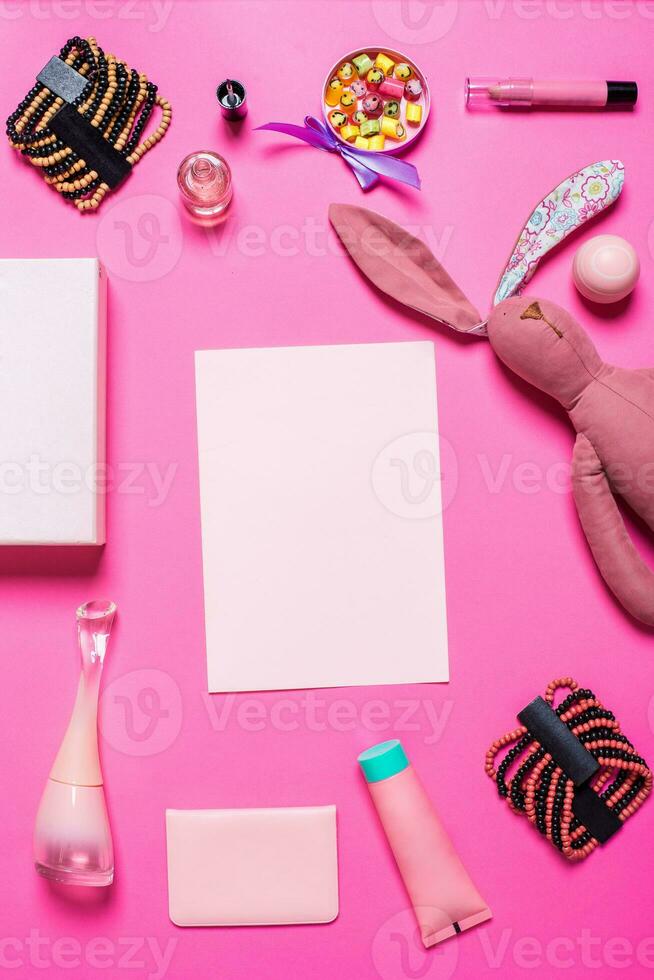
(366, 164)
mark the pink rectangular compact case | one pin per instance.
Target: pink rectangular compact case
(273, 866)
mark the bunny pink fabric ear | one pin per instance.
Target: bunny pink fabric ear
(576, 200)
(403, 267)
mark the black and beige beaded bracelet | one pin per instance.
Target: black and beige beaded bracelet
(82, 121)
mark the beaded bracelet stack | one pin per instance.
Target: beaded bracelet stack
(116, 101)
(542, 791)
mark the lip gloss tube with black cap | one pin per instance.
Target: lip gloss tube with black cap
(500, 93)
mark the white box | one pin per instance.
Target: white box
(52, 401)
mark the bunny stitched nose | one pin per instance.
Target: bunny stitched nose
(534, 312)
(543, 344)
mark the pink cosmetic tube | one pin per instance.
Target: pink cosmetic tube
(500, 93)
(442, 893)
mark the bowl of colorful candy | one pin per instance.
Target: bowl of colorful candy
(376, 99)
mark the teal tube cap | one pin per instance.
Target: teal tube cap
(383, 760)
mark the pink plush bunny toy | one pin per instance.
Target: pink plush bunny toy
(611, 408)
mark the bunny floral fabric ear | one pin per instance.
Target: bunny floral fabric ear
(577, 199)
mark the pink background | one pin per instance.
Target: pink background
(525, 603)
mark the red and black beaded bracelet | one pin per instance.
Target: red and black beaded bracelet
(578, 778)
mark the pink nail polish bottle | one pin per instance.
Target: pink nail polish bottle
(205, 183)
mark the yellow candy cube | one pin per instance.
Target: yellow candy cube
(362, 143)
(377, 142)
(350, 133)
(392, 128)
(385, 63)
(413, 113)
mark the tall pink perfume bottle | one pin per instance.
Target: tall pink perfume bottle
(205, 183)
(72, 837)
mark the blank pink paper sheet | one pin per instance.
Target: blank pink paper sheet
(318, 572)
